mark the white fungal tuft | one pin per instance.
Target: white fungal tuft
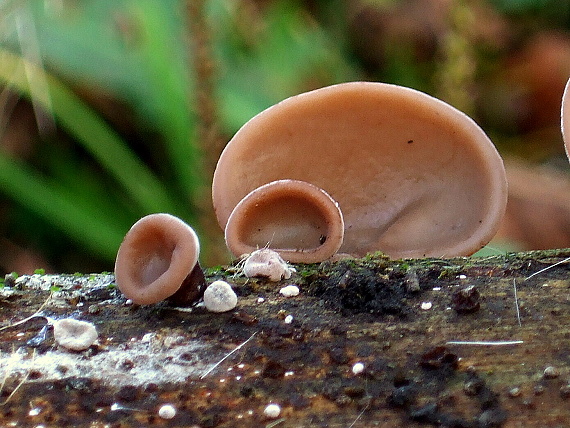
(167, 411)
(272, 411)
(220, 297)
(289, 291)
(74, 334)
(268, 264)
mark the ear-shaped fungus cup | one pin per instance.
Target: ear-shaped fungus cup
(296, 219)
(158, 259)
(565, 118)
(413, 176)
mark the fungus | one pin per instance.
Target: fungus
(268, 264)
(297, 219)
(74, 334)
(565, 118)
(412, 175)
(158, 259)
(220, 297)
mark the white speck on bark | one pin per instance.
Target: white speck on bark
(167, 411)
(74, 334)
(289, 291)
(220, 297)
(268, 264)
(272, 411)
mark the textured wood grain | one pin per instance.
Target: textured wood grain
(363, 310)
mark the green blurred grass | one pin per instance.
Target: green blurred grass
(139, 53)
(119, 78)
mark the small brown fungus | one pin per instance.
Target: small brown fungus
(413, 176)
(244, 318)
(158, 259)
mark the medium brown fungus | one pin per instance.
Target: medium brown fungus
(412, 175)
(158, 259)
(296, 219)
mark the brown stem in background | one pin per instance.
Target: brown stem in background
(210, 138)
(456, 74)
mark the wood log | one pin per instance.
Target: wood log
(371, 342)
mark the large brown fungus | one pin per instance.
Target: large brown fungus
(413, 176)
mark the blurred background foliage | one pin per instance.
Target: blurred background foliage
(113, 109)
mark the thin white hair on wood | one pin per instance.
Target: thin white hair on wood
(237, 348)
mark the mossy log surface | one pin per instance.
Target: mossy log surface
(401, 319)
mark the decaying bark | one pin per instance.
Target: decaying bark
(442, 342)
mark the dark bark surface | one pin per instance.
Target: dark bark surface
(443, 342)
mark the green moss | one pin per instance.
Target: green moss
(307, 270)
(450, 272)
(215, 270)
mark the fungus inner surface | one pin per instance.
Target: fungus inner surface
(154, 252)
(284, 222)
